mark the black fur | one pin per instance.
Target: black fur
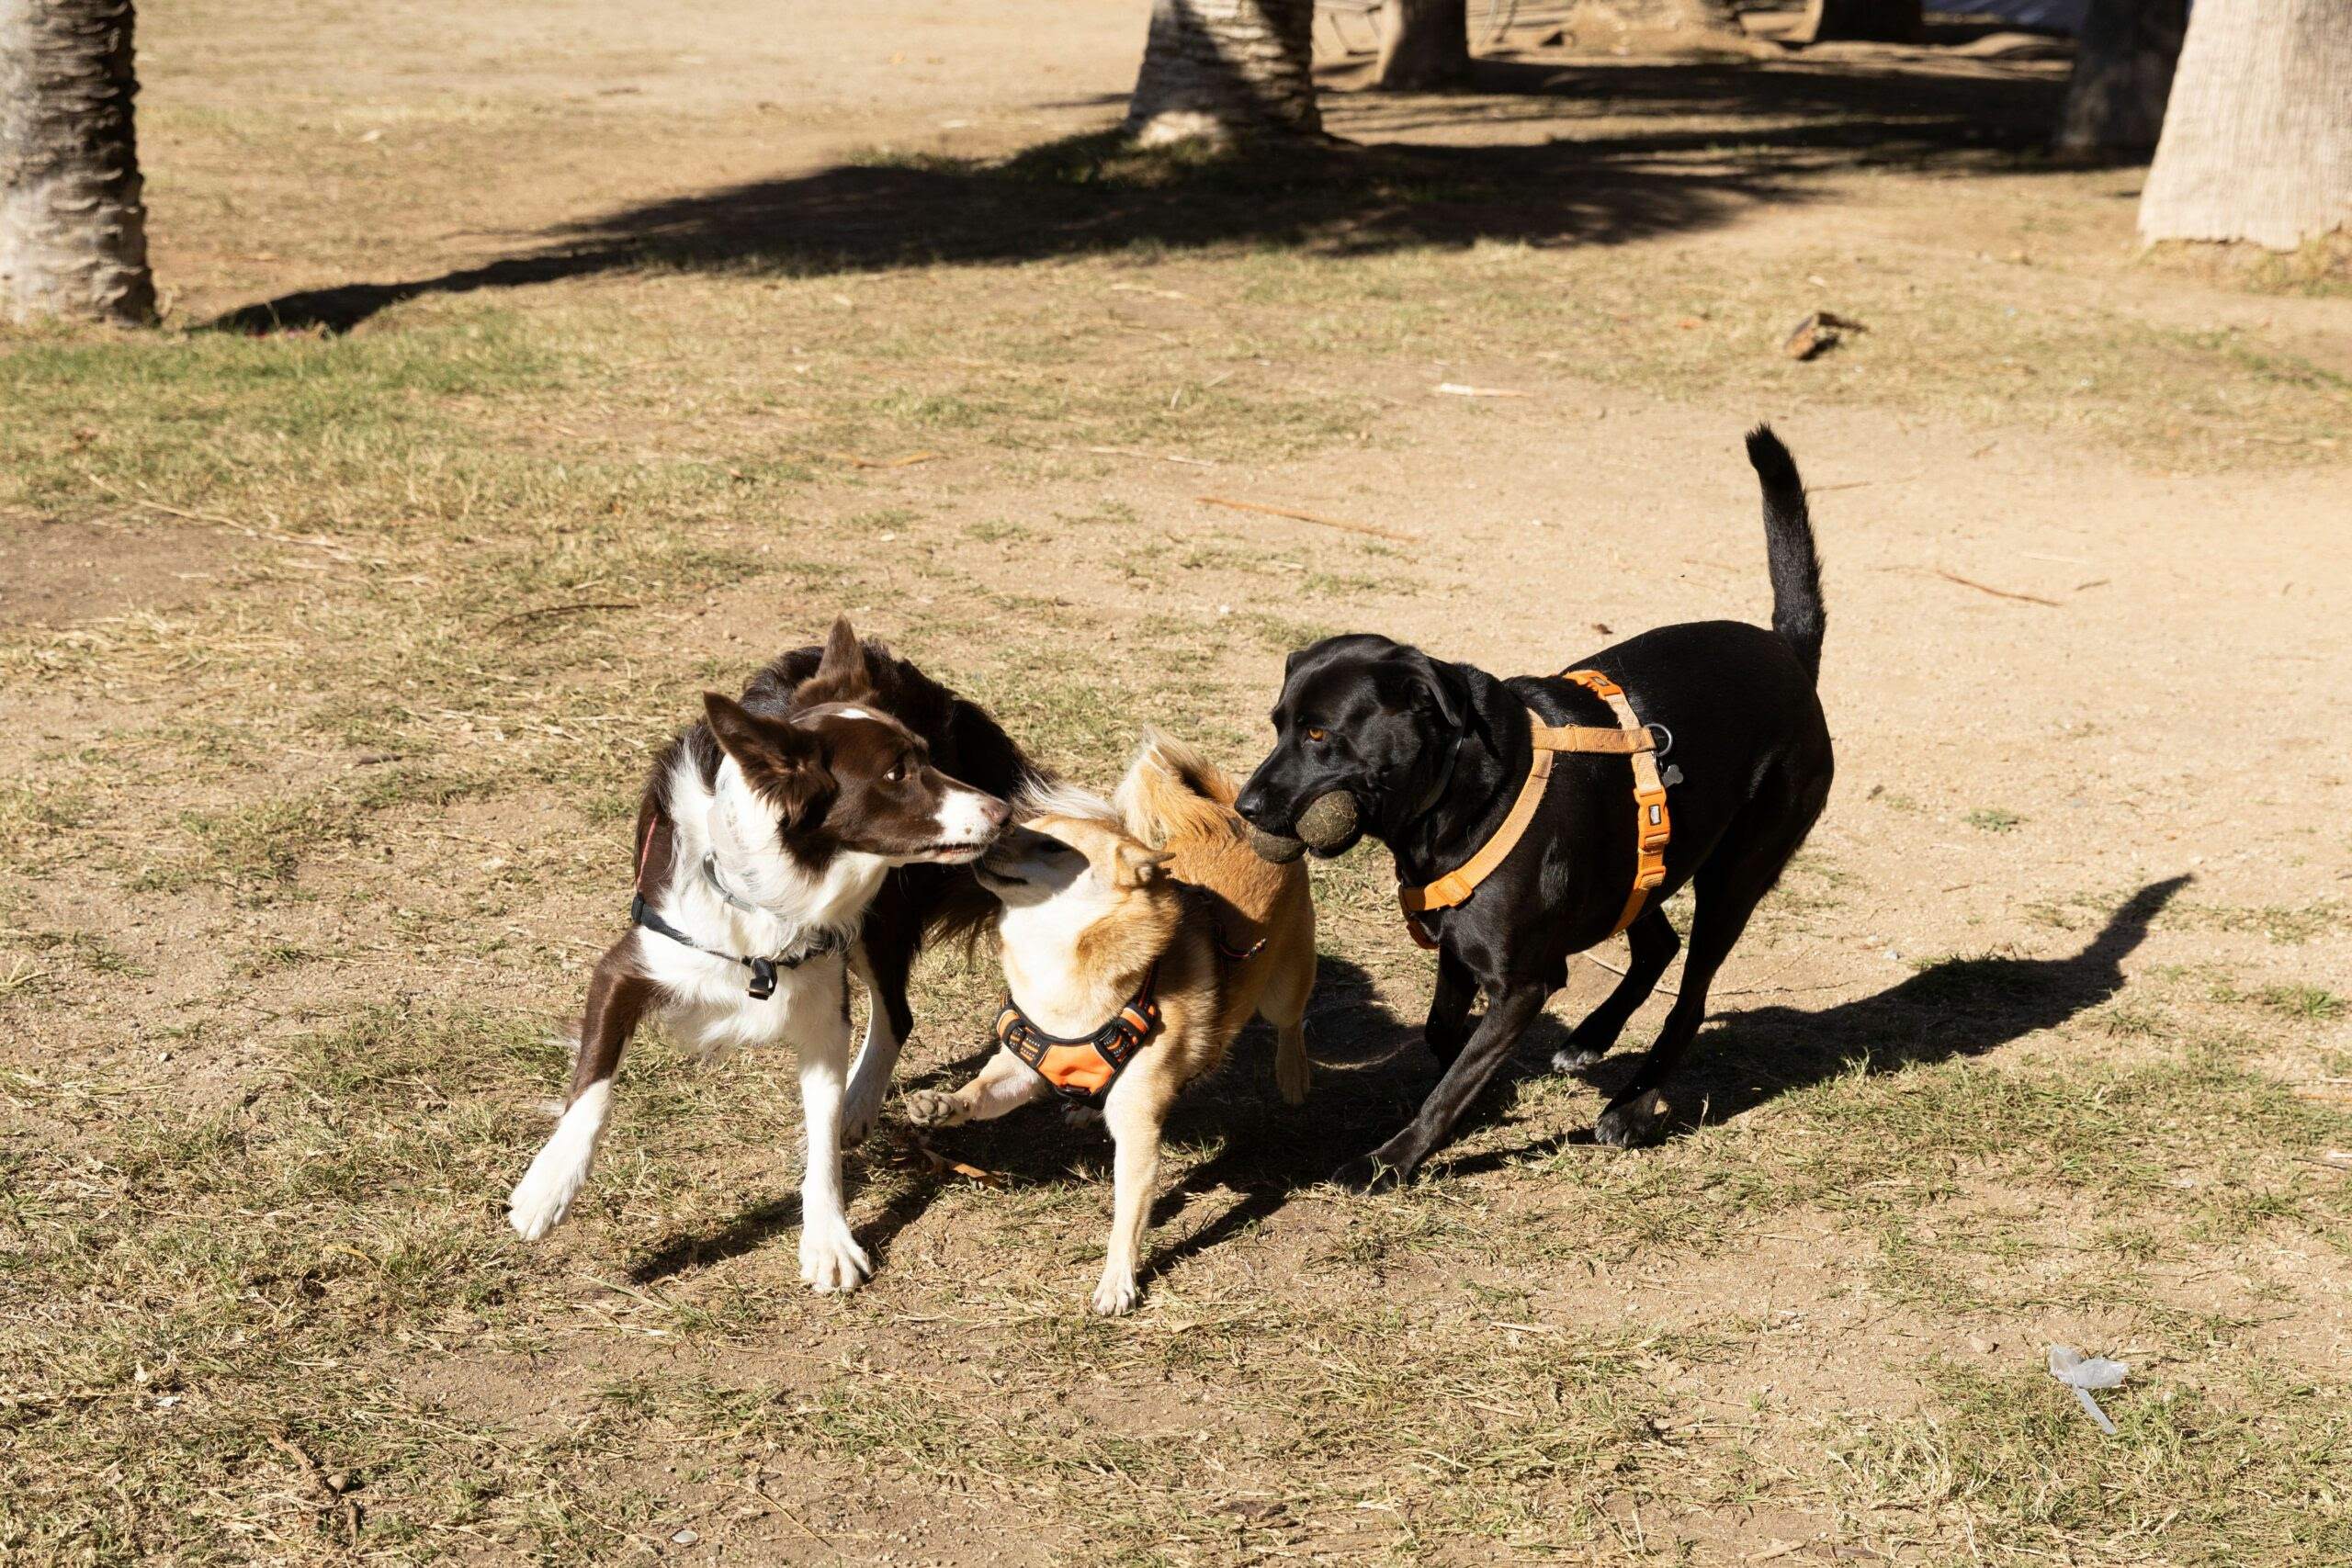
(1435, 753)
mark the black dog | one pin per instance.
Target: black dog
(1434, 755)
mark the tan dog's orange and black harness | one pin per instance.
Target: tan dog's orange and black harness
(1632, 739)
(1083, 1067)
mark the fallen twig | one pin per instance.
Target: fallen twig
(1997, 593)
(1455, 388)
(546, 610)
(941, 1162)
(1149, 457)
(1376, 532)
(909, 461)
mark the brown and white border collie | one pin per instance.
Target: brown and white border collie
(805, 832)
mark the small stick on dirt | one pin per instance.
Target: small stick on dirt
(546, 610)
(1857, 484)
(1455, 388)
(1997, 593)
(1378, 533)
(1148, 457)
(909, 461)
(940, 1162)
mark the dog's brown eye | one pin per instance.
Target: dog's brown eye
(1314, 734)
(897, 770)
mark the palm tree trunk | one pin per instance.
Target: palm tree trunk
(1424, 43)
(1224, 68)
(2123, 61)
(72, 230)
(2257, 142)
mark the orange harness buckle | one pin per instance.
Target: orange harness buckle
(1653, 822)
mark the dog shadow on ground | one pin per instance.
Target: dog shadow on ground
(1372, 1072)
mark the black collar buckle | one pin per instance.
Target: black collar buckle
(763, 978)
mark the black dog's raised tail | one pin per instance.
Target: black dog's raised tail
(1798, 614)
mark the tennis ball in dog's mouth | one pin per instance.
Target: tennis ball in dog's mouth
(1329, 821)
(1275, 846)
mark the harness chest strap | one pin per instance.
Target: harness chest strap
(1632, 739)
(1083, 1067)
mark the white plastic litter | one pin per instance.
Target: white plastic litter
(2083, 1373)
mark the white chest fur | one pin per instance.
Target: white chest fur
(779, 906)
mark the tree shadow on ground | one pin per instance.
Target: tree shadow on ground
(1768, 131)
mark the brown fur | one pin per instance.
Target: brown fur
(1168, 876)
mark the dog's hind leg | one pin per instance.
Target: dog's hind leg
(882, 962)
(1651, 945)
(1491, 1043)
(617, 997)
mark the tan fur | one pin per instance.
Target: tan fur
(1180, 877)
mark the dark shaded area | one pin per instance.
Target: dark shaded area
(1962, 1007)
(1372, 1072)
(1769, 128)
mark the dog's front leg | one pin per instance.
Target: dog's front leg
(1136, 1110)
(1490, 1045)
(1005, 1084)
(831, 1258)
(1449, 1020)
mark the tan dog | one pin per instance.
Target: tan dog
(1152, 897)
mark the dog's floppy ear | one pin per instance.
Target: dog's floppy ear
(779, 761)
(1448, 693)
(1133, 865)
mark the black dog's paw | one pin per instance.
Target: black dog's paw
(1573, 1057)
(1367, 1173)
(1630, 1123)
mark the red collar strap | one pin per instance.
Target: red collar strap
(1632, 739)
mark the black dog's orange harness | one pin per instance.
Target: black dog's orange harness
(1632, 739)
(1083, 1068)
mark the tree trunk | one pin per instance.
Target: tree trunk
(1861, 21)
(1223, 68)
(72, 231)
(1424, 43)
(2257, 143)
(2124, 61)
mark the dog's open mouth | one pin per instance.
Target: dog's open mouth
(959, 853)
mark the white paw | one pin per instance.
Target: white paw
(1116, 1296)
(935, 1108)
(540, 1202)
(831, 1259)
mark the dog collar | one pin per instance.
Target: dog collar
(1632, 739)
(1083, 1067)
(764, 969)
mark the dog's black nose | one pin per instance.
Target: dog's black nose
(1250, 803)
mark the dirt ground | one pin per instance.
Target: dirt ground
(530, 370)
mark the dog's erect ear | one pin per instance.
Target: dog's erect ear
(843, 665)
(1132, 865)
(778, 759)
